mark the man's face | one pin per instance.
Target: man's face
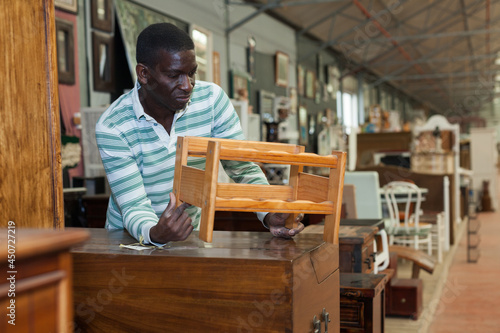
(173, 79)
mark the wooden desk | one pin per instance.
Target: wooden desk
(362, 302)
(242, 281)
(43, 277)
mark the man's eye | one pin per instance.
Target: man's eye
(174, 76)
(193, 73)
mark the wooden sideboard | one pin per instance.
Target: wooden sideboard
(241, 282)
(40, 295)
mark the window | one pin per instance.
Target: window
(202, 39)
(349, 110)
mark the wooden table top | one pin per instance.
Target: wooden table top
(363, 285)
(348, 234)
(34, 242)
(225, 244)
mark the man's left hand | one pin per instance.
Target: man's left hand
(276, 224)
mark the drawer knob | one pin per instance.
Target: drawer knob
(368, 262)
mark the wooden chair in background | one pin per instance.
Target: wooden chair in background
(410, 231)
(305, 193)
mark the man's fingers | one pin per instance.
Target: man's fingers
(171, 205)
(295, 231)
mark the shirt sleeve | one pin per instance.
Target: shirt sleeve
(126, 182)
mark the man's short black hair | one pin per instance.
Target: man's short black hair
(161, 36)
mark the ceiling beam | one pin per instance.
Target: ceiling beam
(325, 18)
(440, 75)
(438, 60)
(428, 56)
(438, 35)
(331, 42)
(466, 28)
(450, 20)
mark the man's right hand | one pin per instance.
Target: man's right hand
(174, 224)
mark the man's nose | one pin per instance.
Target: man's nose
(186, 83)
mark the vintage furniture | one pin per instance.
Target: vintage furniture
(484, 161)
(433, 162)
(362, 302)
(356, 246)
(42, 272)
(403, 295)
(242, 281)
(369, 206)
(449, 143)
(30, 165)
(370, 143)
(305, 193)
(410, 231)
(404, 298)
(435, 198)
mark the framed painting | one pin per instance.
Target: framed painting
(240, 86)
(300, 80)
(102, 15)
(281, 69)
(103, 62)
(310, 89)
(303, 126)
(65, 51)
(67, 5)
(216, 68)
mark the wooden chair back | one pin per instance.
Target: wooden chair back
(304, 193)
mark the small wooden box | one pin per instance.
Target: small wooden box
(404, 298)
(242, 281)
(355, 246)
(432, 162)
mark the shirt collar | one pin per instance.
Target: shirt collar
(139, 110)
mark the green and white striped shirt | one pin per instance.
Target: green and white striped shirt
(139, 155)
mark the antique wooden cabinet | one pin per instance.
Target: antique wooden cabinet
(31, 191)
(35, 287)
(362, 302)
(241, 282)
(356, 251)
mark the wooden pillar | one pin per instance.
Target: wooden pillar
(30, 157)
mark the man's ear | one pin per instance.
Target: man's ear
(143, 73)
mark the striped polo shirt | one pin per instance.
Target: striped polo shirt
(139, 155)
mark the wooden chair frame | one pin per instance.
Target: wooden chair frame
(305, 193)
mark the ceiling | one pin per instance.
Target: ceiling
(440, 52)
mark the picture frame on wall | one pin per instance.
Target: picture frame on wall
(103, 62)
(281, 69)
(67, 5)
(303, 126)
(65, 51)
(216, 67)
(102, 15)
(240, 85)
(300, 80)
(310, 88)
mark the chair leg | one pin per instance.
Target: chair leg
(429, 244)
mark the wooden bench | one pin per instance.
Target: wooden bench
(420, 259)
